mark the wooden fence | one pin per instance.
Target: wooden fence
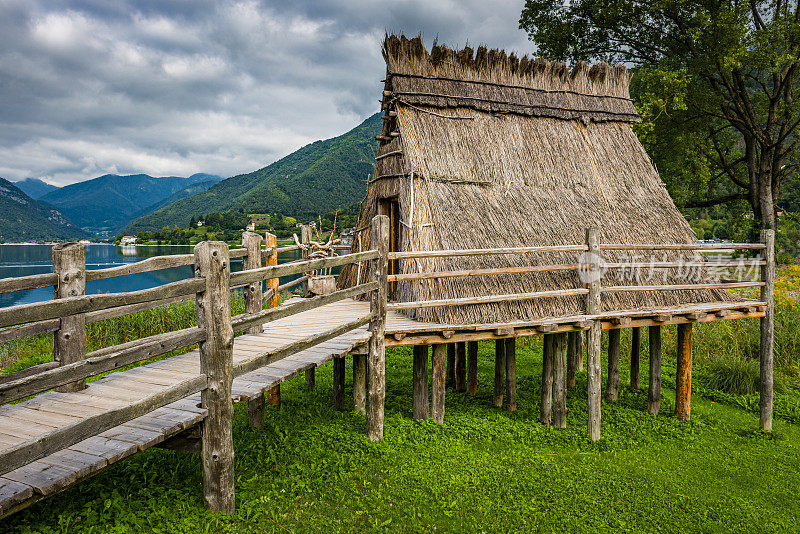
(71, 309)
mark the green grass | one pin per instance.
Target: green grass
(484, 469)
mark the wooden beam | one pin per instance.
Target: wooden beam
(420, 383)
(572, 338)
(253, 303)
(216, 358)
(683, 373)
(485, 299)
(338, 383)
(451, 365)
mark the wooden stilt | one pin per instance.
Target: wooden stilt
(572, 357)
(376, 369)
(612, 381)
(310, 377)
(546, 409)
(594, 339)
(451, 365)
(461, 366)
(255, 412)
(360, 383)
(767, 332)
(654, 387)
(579, 350)
(253, 303)
(636, 348)
(472, 368)
(439, 364)
(274, 396)
(420, 382)
(499, 371)
(511, 374)
(560, 380)
(216, 360)
(338, 383)
(683, 374)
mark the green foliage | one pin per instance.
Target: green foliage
(316, 179)
(24, 219)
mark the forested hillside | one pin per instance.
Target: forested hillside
(107, 203)
(318, 178)
(24, 219)
(34, 188)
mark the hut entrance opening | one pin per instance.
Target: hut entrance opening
(391, 208)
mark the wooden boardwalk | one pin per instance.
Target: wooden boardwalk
(50, 410)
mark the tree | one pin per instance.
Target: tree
(718, 76)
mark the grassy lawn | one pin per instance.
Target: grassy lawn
(312, 469)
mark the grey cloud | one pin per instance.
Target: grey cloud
(222, 87)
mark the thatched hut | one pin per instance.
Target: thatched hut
(482, 149)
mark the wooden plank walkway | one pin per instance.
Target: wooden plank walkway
(40, 414)
(43, 413)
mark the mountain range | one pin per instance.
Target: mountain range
(34, 187)
(24, 219)
(318, 178)
(104, 205)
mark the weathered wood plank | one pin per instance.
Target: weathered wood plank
(487, 299)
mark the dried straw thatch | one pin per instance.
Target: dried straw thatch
(496, 151)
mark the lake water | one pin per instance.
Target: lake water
(22, 260)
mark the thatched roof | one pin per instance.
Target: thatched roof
(496, 151)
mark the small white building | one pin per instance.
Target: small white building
(127, 241)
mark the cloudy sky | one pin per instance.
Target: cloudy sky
(184, 86)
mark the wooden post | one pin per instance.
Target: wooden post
(451, 365)
(338, 383)
(560, 380)
(511, 374)
(472, 368)
(305, 241)
(360, 383)
(654, 386)
(69, 341)
(767, 331)
(546, 407)
(572, 357)
(271, 242)
(461, 366)
(499, 371)
(594, 372)
(420, 382)
(253, 303)
(683, 373)
(636, 349)
(211, 261)
(579, 349)
(439, 388)
(612, 381)
(377, 353)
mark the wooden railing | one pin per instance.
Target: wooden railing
(211, 288)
